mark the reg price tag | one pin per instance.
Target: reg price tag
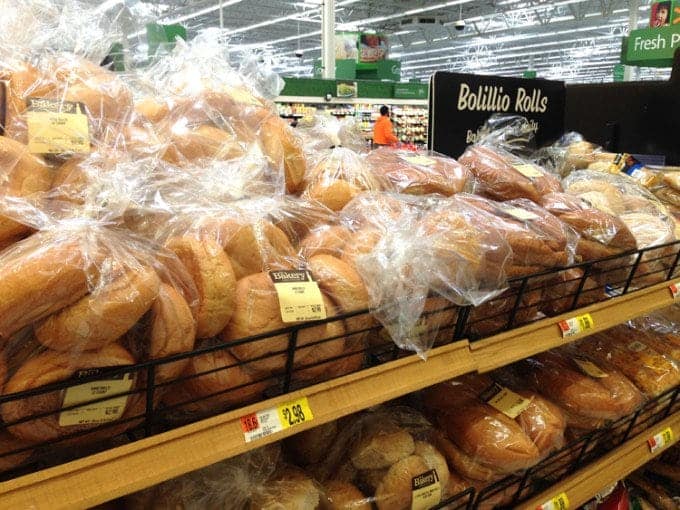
(661, 440)
(270, 421)
(559, 502)
(576, 325)
(299, 295)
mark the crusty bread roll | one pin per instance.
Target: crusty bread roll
(103, 316)
(215, 281)
(434, 460)
(463, 463)
(21, 174)
(489, 437)
(333, 193)
(188, 145)
(361, 242)
(345, 496)
(173, 331)
(395, 490)
(284, 149)
(253, 247)
(212, 382)
(152, 109)
(39, 283)
(311, 446)
(50, 367)
(381, 446)
(325, 240)
(257, 311)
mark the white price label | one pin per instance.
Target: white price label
(661, 440)
(270, 421)
(576, 325)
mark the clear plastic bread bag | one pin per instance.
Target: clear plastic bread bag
(207, 110)
(490, 428)
(571, 152)
(339, 175)
(321, 133)
(502, 175)
(590, 390)
(645, 216)
(226, 485)
(385, 457)
(84, 299)
(52, 72)
(420, 172)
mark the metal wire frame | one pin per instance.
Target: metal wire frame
(514, 489)
(366, 345)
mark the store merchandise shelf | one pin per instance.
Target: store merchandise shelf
(586, 483)
(126, 469)
(516, 344)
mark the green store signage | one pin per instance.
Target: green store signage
(651, 47)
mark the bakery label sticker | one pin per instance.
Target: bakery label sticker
(675, 289)
(95, 410)
(299, 295)
(529, 171)
(419, 160)
(590, 368)
(507, 402)
(426, 490)
(559, 502)
(576, 325)
(660, 440)
(55, 127)
(270, 421)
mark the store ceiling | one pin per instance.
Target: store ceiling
(574, 40)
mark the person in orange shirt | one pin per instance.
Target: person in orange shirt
(382, 131)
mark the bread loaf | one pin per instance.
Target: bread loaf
(395, 490)
(464, 464)
(103, 316)
(215, 281)
(345, 496)
(173, 331)
(326, 240)
(544, 423)
(39, 282)
(381, 446)
(50, 367)
(189, 145)
(284, 149)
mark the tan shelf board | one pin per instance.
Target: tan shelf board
(126, 469)
(517, 344)
(586, 483)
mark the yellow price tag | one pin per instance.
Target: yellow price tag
(507, 402)
(576, 325)
(295, 413)
(559, 502)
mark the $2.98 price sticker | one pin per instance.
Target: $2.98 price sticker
(559, 502)
(576, 325)
(661, 440)
(270, 421)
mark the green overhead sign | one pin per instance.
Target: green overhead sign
(651, 47)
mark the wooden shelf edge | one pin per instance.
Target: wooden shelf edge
(586, 483)
(517, 344)
(132, 467)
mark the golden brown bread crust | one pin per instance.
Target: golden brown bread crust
(103, 316)
(50, 367)
(333, 193)
(463, 463)
(257, 311)
(345, 496)
(202, 142)
(489, 437)
(340, 281)
(325, 240)
(213, 382)
(544, 423)
(173, 331)
(39, 283)
(152, 109)
(394, 491)
(215, 281)
(283, 148)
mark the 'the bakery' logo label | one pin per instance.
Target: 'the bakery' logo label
(290, 276)
(424, 480)
(492, 98)
(35, 104)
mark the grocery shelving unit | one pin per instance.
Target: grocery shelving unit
(586, 483)
(126, 469)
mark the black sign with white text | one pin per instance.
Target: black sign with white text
(460, 104)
